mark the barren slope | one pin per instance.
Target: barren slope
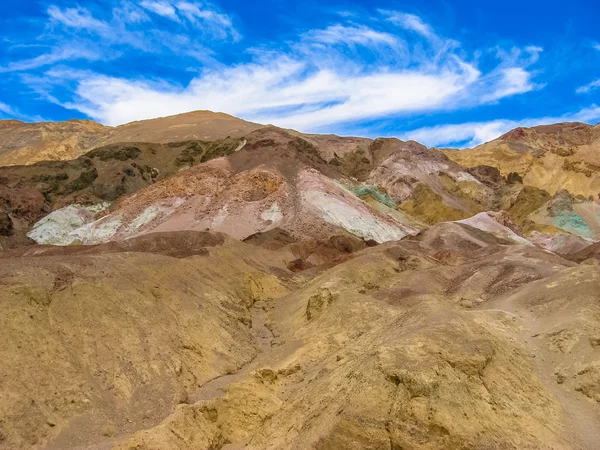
(27, 143)
(89, 183)
(451, 339)
(276, 180)
(550, 157)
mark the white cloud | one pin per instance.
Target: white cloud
(356, 34)
(12, 113)
(287, 92)
(511, 81)
(76, 18)
(588, 87)
(130, 13)
(316, 83)
(588, 115)
(6, 109)
(220, 24)
(162, 8)
(339, 75)
(370, 96)
(534, 52)
(534, 49)
(321, 99)
(597, 47)
(410, 22)
(200, 14)
(54, 56)
(475, 133)
(75, 34)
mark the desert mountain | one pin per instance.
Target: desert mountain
(272, 178)
(308, 185)
(26, 143)
(201, 282)
(548, 157)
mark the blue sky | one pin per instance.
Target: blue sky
(440, 72)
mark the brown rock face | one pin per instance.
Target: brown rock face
(102, 175)
(561, 203)
(6, 225)
(588, 254)
(487, 174)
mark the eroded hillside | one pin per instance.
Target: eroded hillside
(549, 157)
(451, 339)
(27, 143)
(200, 282)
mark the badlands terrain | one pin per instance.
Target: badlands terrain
(202, 282)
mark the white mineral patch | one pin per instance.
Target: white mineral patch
(414, 168)
(102, 230)
(464, 176)
(485, 222)
(360, 223)
(220, 217)
(242, 145)
(56, 226)
(272, 214)
(147, 216)
(151, 213)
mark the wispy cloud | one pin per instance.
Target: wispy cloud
(588, 87)
(130, 13)
(201, 15)
(319, 80)
(410, 22)
(55, 55)
(6, 109)
(220, 24)
(8, 112)
(76, 18)
(358, 68)
(353, 34)
(510, 81)
(474, 133)
(162, 8)
(78, 33)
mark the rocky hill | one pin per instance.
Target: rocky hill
(549, 157)
(27, 143)
(201, 282)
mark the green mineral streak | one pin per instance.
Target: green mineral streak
(368, 190)
(574, 223)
